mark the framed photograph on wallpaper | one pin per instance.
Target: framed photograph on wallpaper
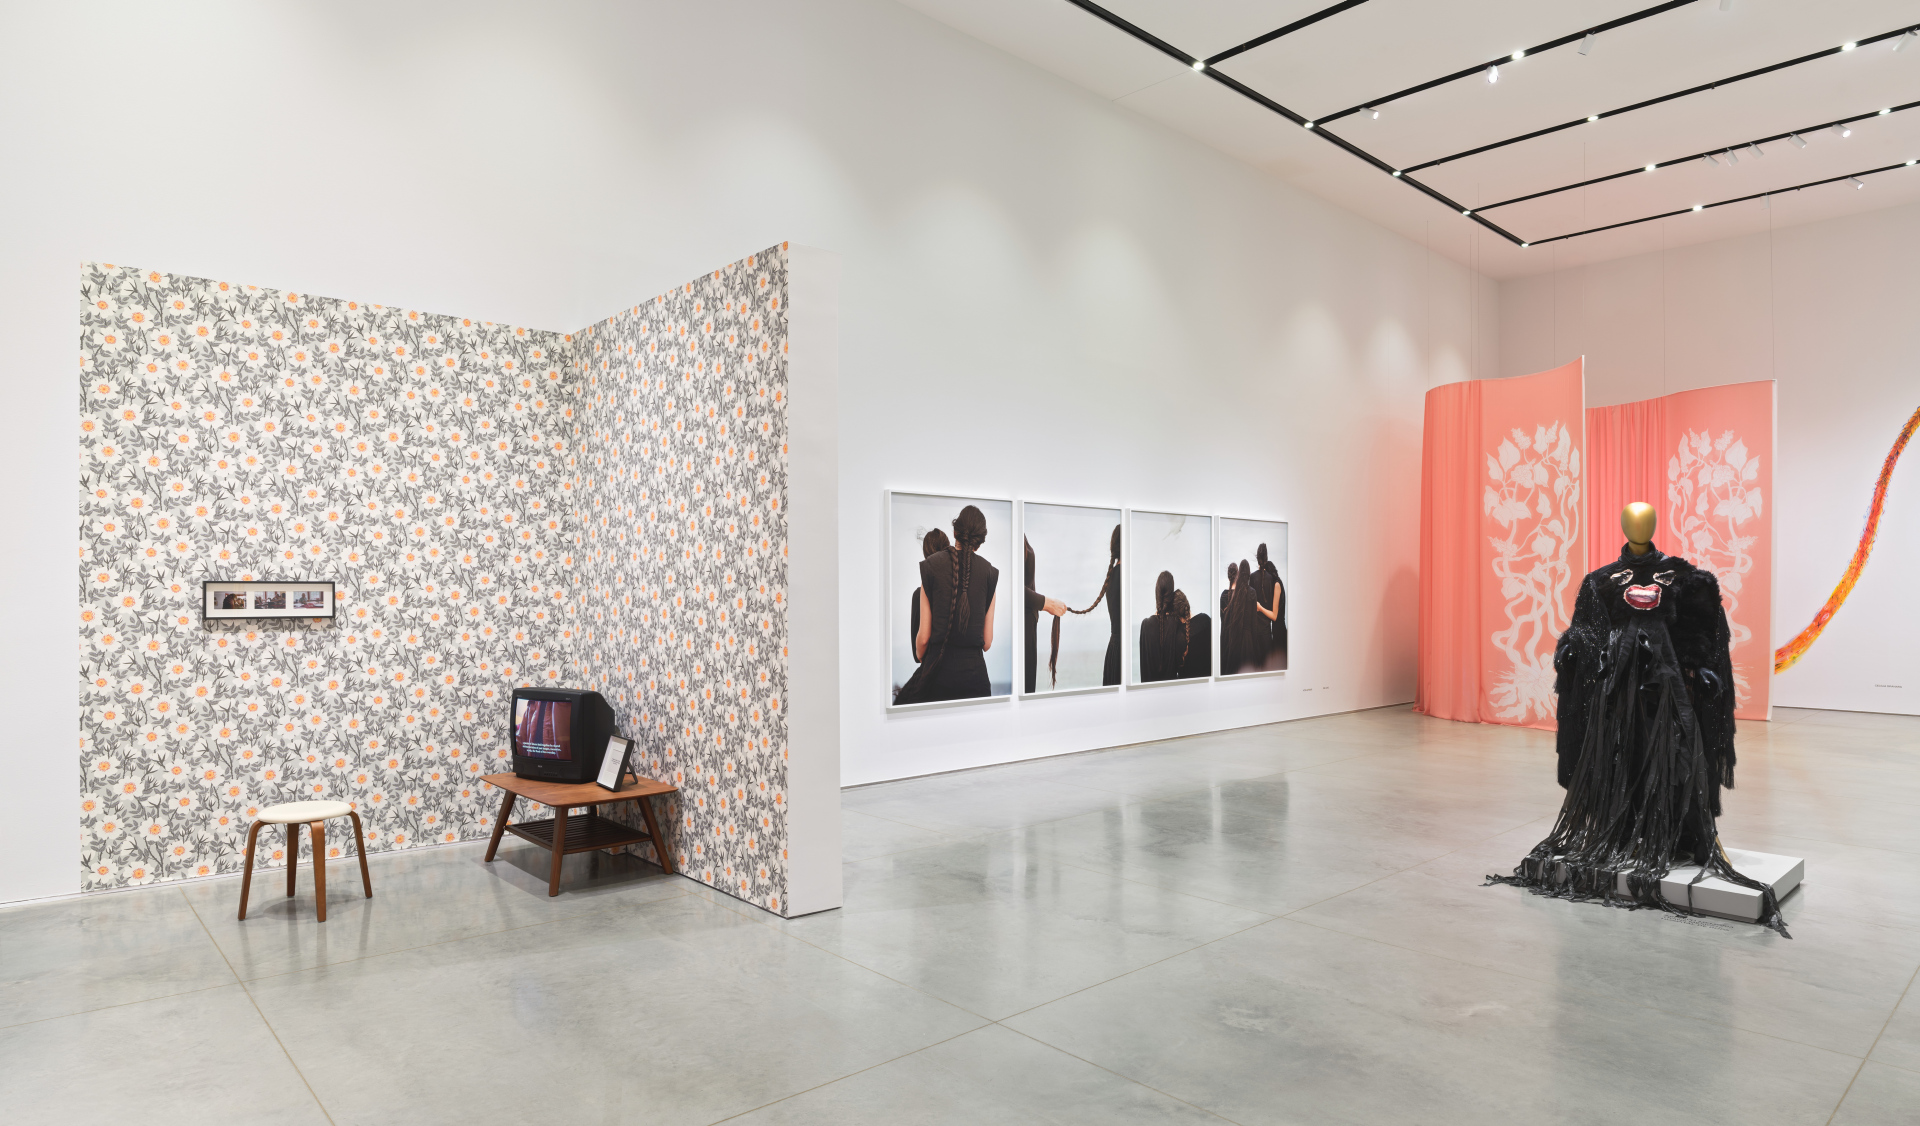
(240, 600)
(1070, 598)
(950, 599)
(1168, 555)
(1253, 596)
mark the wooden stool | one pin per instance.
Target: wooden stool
(293, 815)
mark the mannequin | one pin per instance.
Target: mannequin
(1644, 679)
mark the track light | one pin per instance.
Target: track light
(1199, 64)
(1708, 157)
(1726, 5)
(1900, 44)
(1857, 182)
(1396, 172)
(1840, 130)
(1755, 149)
(1587, 43)
(1592, 117)
(1518, 55)
(1732, 158)
(1885, 111)
(1651, 167)
(1468, 213)
(1697, 206)
(1911, 163)
(1848, 46)
(1523, 246)
(1766, 202)
(1372, 111)
(1309, 124)
(1797, 139)
(1493, 74)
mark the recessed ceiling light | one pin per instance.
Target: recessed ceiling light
(1797, 139)
(1199, 64)
(1857, 182)
(1840, 130)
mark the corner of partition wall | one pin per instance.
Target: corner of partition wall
(813, 581)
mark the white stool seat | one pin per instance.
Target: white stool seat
(301, 812)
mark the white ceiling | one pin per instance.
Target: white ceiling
(1386, 45)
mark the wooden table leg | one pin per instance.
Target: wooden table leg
(499, 825)
(246, 874)
(293, 855)
(659, 843)
(559, 849)
(360, 846)
(320, 869)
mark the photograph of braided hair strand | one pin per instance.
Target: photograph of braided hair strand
(957, 600)
(1174, 644)
(1072, 564)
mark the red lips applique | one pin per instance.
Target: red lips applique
(1643, 597)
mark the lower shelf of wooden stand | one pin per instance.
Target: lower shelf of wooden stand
(584, 833)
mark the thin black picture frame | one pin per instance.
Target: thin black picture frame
(626, 757)
(251, 591)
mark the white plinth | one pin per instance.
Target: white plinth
(1714, 896)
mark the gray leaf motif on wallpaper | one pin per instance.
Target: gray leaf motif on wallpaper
(459, 480)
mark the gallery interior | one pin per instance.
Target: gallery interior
(962, 561)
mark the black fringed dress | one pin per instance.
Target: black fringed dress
(1646, 737)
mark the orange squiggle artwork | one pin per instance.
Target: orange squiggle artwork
(1786, 655)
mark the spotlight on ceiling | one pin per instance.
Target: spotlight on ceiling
(1708, 157)
(1885, 110)
(1493, 74)
(1797, 139)
(1900, 44)
(1309, 124)
(1697, 206)
(1840, 130)
(1651, 167)
(1199, 64)
(1523, 246)
(1372, 112)
(1396, 172)
(1766, 202)
(1586, 44)
(1518, 55)
(1732, 158)
(1726, 5)
(1593, 117)
(1857, 182)
(1848, 46)
(1911, 163)
(1468, 213)
(1755, 149)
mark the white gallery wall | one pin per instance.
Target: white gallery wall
(1041, 295)
(1826, 309)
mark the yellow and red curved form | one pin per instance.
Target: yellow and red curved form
(1786, 655)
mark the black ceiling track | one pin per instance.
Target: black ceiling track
(1281, 32)
(1481, 68)
(1247, 92)
(1206, 67)
(1734, 147)
(1725, 202)
(1688, 92)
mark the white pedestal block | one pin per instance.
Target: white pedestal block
(1714, 896)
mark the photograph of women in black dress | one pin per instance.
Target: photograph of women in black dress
(1165, 550)
(946, 556)
(1072, 605)
(1253, 596)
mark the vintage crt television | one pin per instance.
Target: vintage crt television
(560, 734)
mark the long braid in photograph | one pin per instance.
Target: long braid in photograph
(1053, 656)
(969, 532)
(1183, 610)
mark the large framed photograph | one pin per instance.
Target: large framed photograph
(1071, 598)
(232, 601)
(1253, 596)
(1169, 554)
(950, 599)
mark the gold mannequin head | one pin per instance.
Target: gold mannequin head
(1638, 520)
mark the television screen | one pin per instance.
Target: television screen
(543, 728)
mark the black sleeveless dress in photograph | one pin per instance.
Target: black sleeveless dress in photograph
(1110, 674)
(1199, 663)
(954, 666)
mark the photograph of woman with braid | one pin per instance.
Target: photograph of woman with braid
(947, 651)
(1253, 603)
(1172, 642)
(1072, 573)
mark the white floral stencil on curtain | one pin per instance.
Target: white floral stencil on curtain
(1712, 492)
(1534, 496)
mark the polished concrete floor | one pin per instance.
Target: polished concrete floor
(1281, 924)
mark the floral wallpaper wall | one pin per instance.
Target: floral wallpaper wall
(231, 431)
(678, 505)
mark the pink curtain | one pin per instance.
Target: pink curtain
(1704, 460)
(1502, 545)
